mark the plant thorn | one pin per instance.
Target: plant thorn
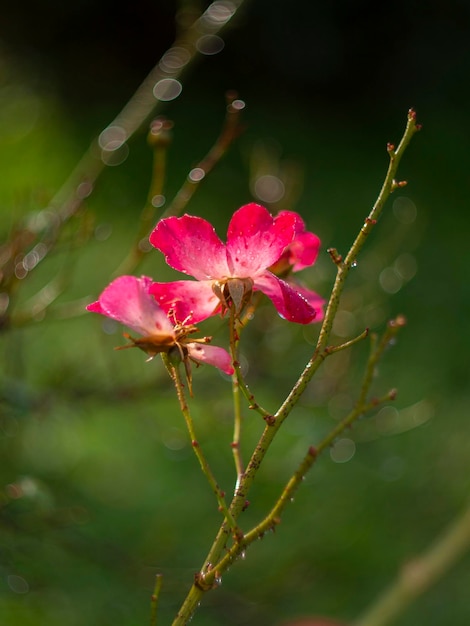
(335, 256)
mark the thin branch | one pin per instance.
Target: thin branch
(206, 470)
(235, 329)
(361, 407)
(154, 599)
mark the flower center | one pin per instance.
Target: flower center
(233, 292)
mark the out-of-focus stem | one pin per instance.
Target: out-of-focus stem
(419, 574)
(159, 138)
(154, 599)
(141, 106)
(230, 131)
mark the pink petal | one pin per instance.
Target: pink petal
(315, 301)
(302, 252)
(191, 245)
(289, 303)
(211, 354)
(127, 300)
(188, 299)
(256, 240)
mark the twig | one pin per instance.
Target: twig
(361, 407)
(206, 470)
(154, 599)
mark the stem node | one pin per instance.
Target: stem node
(270, 420)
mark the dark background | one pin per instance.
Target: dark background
(340, 55)
(104, 469)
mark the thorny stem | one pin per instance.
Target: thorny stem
(219, 494)
(343, 268)
(206, 578)
(361, 407)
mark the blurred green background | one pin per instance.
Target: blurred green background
(99, 489)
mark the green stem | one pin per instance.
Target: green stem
(219, 494)
(361, 407)
(238, 375)
(237, 416)
(154, 599)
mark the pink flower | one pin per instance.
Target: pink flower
(302, 252)
(128, 300)
(228, 273)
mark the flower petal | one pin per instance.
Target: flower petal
(187, 299)
(302, 252)
(191, 245)
(211, 354)
(256, 240)
(289, 303)
(127, 300)
(315, 301)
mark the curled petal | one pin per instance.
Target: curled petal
(289, 303)
(128, 301)
(315, 301)
(191, 245)
(187, 299)
(302, 252)
(213, 355)
(256, 240)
